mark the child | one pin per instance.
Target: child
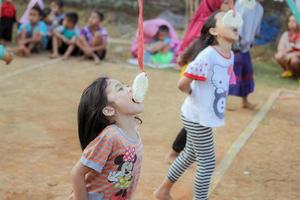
(32, 35)
(188, 51)
(159, 50)
(64, 37)
(57, 13)
(206, 80)
(7, 20)
(5, 55)
(93, 38)
(242, 64)
(110, 165)
(288, 50)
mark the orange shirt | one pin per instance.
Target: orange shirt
(116, 162)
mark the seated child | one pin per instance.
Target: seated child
(64, 37)
(288, 50)
(93, 38)
(33, 35)
(7, 20)
(159, 50)
(5, 55)
(57, 13)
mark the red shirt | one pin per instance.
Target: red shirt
(8, 10)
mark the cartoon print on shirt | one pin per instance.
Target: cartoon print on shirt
(122, 178)
(221, 91)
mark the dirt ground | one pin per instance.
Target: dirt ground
(39, 143)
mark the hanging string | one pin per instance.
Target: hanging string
(231, 2)
(141, 37)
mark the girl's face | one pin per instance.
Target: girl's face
(120, 98)
(34, 16)
(55, 8)
(94, 19)
(228, 33)
(225, 6)
(292, 25)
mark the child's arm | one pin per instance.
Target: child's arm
(184, 84)
(34, 39)
(78, 181)
(60, 36)
(100, 47)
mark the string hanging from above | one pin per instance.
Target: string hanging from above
(141, 82)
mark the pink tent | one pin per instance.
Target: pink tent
(150, 29)
(30, 5)
(204, 10)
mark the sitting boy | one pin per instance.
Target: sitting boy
(64, 37)
(159, 50)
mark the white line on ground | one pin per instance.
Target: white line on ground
(28, 69)
(241, 141)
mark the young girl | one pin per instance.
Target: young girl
(32, 35)
(110, 165)
(206, 80)
(93, 38)
(288, 50)
(188, 51)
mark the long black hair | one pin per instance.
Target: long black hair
(91, 120)
(206, 39)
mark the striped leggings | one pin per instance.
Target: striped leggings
(200, 148)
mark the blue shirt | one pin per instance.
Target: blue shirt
(40, 27)
(68, 33)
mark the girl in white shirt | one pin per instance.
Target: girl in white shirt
(206, 81)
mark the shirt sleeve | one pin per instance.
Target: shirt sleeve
(198, 69)
(97, 152)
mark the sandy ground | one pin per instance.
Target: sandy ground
(39, 143)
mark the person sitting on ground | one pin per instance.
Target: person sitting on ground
(57, 13)
(64, 37)
(288, 50)
(32, 36)
(93, 38)
(159, 50)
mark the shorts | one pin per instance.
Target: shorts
(63, 48)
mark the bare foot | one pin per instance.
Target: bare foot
(65, 58)
(53, 56)
(82, 58)
(161, 194)
(171, 156)
(97, 60)
(249, 106)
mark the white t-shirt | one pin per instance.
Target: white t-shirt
(212, 73)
